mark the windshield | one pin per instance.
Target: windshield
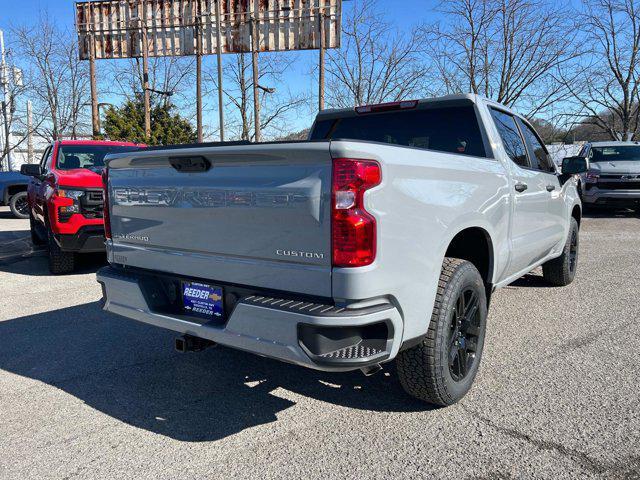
(615, 153)
(87, 156)
(449, 129)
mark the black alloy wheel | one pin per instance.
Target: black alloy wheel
(19, 205)
(573, 251)
(463, 341)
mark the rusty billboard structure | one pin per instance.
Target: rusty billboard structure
(118, 29)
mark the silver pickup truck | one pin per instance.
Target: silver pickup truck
(613, 179)
(382, 237)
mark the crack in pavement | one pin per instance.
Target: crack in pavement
(623, 470)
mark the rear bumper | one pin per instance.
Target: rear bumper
(317, 336)
(88, 239)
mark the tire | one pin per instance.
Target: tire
(432, 371)
(60, 262)
(35, 236)
(561, 271)
(19, 206)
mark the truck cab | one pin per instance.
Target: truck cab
(65, 202)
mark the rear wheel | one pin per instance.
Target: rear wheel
(19, 206)
(441, 369)
(60, 262)
(562, 270)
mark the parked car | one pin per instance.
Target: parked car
(65, 201)
(13, 193)
(613, 178)
(380, 238)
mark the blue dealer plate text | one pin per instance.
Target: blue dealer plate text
(202, 300)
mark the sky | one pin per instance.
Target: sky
(25, 12)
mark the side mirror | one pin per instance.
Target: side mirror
(574, 165)
(31, 170)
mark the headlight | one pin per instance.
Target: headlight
(72, 194)
(591, 177)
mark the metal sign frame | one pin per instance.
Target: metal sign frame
(188, 27)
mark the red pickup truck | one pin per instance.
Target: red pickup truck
(65, 199)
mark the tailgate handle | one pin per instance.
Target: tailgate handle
(190, 164)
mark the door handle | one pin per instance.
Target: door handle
(521, 187)
(551, 188)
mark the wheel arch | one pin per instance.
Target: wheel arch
(475, 245)
(11, 190)
(576, 212)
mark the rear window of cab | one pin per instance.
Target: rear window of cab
(447, 129)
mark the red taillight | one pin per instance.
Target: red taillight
(353, 229)
(386, 107)
(105, 199)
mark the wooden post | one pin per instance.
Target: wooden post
(198, 73)
(256, 90)
(95, 114)
(29, 132)
(145, 72)
(321, 63)
(219, 53)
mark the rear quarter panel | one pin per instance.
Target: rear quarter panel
(425, 199)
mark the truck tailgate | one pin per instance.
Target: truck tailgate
(258, 216)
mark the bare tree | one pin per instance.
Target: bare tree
(376, 63)
(124, 79)
(55, 78)
(277, 105)
(606, 88)
(507, 50)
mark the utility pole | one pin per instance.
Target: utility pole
(145, 72)
(95, 114)
(219, 54)
(199, 71)
(321, 18)
(29, 132)
(6, 105)
(256, 91)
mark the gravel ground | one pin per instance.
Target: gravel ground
(89, 395)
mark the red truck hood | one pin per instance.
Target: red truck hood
(79, 177)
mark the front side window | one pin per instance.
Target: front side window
(445, 129)
(538, 153)
(87, 156)
(511, 138)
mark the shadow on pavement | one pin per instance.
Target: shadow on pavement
(129, 371)
(19, 255)
(7, 214)
(530, 280)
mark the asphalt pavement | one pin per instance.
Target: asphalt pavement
(85, 394)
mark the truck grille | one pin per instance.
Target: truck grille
(92, 204)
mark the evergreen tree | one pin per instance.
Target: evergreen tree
(126, 123)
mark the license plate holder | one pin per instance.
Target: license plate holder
(202, 300)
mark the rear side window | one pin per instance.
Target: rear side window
(511, 138)
(447, 129)
(537, 152)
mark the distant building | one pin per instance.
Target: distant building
(20, 153)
